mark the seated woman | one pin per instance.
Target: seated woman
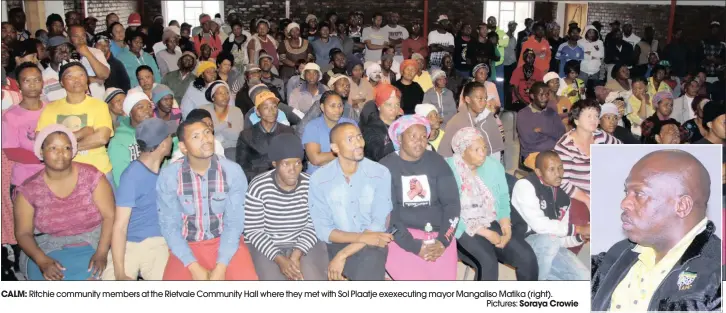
(432, 115)
(609, 116)
(639, 102)
(574, 151)
(572, 87)
(560, 104)
(227, 118)
(375, 131)
(694, 130)
(484, 231)
(72, 206)
(652, 126)
(282, 238)
(425, 206)
(195, 97)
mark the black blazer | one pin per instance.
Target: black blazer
(702, 257)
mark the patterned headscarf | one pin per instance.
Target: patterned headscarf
(660, 96)
(477, 201)
(403, 123)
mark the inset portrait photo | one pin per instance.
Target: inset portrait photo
(656, 229)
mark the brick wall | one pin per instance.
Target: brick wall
(72, 5)
(410, 10)
(693, 20)
(14, 4)
(99, 10)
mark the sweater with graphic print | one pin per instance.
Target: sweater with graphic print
(422, 191)
(122, 149)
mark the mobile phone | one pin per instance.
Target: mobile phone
(393, 230)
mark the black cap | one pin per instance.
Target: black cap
(712, 110)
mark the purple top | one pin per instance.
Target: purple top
(549, 124)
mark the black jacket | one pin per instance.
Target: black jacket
(624, 55)
(252, 148)
(117, 77)
(375, 134)
(702, 258)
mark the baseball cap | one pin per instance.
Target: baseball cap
(442, 17)
(152, 131)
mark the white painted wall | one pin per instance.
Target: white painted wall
(661, 2)
(4, 10)
(54, 7)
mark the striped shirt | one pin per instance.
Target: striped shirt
(577, 163)
(277, 219)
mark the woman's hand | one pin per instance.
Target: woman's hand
(490, 235)
(97, 265)
(51, 269)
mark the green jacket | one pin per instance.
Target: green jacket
(494, 177)
(122, 149)
(503, 43)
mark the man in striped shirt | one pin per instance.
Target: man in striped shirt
(201, 211)
(277, 219)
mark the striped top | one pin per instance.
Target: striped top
(577, 163)
(275, 218)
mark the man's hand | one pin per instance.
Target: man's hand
(288, 268)
(335, 268)
(84, 51)
(198, 272)
(621, 107)
(219, 272)
(377, 239)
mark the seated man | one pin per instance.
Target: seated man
(204, 236)
(671, 259)
(539, 127)
(137, 247)
(253, 143)
(426, 206)
(277, 218)
(122, 149)
(316, 136)
(546, 208)
(350, 199)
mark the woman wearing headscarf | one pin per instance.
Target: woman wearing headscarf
(440, 96)
(522, 79)
(294, 48)
(430, 112)
(425, 206)
(663, 106)
(71, 204)
(375, 129)
(195, 97)
(261, 40)
(411, 92)
(485, 229)
(227, 118)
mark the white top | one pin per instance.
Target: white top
(98, 91)
(633, 39)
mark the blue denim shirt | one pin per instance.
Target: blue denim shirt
(361, 204)
(172, 205)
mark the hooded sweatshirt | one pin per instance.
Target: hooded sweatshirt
(122, 149)
(594, 52)
(486, 123)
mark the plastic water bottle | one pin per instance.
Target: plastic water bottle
(429, 237)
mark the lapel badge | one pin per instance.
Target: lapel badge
(685, 280)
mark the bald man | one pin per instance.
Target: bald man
(671, 260)
(545, 207)
(350, 199)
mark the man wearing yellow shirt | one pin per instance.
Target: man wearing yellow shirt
(87, 117)
(671, 259)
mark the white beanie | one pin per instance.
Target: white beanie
(425, 109)
(550, 76)
(609, 108)
(132, 98)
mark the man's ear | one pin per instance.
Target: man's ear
(657, 138)
(274, 164)
(334, 148)
(182, 147)
(684, 206)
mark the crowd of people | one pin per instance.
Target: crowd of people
(336, 149)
